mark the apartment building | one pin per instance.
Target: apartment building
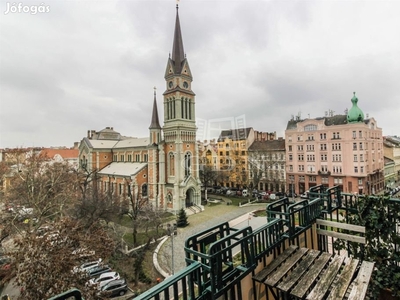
(267, 165)
(391, 146)
(343, 150)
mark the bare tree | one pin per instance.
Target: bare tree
(208, 176)
(92, 203)
(138, 204)
(41, 189)
(45, 262)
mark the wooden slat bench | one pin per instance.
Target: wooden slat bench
(262, 275)
(310, 274)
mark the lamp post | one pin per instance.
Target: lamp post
(171, 229)
(292, 184)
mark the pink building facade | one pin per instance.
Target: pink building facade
(335, 150)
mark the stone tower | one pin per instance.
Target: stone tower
(181, 159)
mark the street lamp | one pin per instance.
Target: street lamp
(292, 184)
(171, 230)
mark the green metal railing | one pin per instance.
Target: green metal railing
(220, 257)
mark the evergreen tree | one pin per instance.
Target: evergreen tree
(182, 219)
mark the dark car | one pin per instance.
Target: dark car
(114, 288)
(97, 270)
(280, 194)
(290, 195)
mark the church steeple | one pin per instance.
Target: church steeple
(155, 128)
(178, 54)
(155, 124)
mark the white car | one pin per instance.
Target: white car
(87, 266)
(304, 195)
(104, 278)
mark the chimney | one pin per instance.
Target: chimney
(88, 134)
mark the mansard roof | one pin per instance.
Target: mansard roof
(270, 145)
(235, 134)
(328, 121)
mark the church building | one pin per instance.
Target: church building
(162, 167)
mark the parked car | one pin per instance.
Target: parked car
(290, 195)
(98, 270)
(280, 194)
(114, 288)
(103, 279)
(87, 265)
(304, 195)
(231, 192)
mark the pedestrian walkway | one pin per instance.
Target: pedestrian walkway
(210, 217)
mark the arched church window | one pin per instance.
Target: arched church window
(186, 108)
(174, 112)
(190, 109)
(187, 164)
(144, 190)
(171, 164)
(182, 109)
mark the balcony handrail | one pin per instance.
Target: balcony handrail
(192, 271)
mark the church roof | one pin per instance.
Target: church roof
(108, 133)
(101, 144)
(133, 142)
(122, 168)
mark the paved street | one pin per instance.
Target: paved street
(211, 216)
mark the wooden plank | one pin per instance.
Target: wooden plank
(260, 276)
(303, 266)
(343, 236)
(362, 280)
(346, 226)
(344, 280)
(326, 279)
(275, 277)
(305, 283)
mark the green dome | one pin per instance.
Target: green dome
(355, 114)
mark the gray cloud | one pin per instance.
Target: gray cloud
(88, 65)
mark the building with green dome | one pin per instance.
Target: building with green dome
(344, 150)
(355, 114)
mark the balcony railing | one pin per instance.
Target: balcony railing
(221, 261)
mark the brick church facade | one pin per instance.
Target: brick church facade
(162, 167)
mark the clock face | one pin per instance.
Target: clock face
(170, 84)
(185, 85)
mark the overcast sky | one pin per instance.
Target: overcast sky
(91, 64)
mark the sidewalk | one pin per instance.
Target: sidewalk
(210, 217)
